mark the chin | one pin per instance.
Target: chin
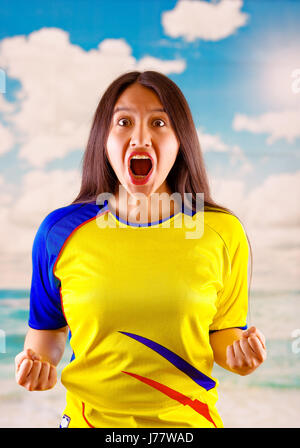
(147, 190)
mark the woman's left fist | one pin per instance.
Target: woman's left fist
(248, 352)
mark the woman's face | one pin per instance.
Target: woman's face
(141, 129)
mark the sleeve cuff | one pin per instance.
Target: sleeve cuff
(220, 329)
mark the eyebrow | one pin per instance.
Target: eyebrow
(117, 109)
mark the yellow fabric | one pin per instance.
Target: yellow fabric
(156, 283)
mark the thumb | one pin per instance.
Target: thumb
(248, 332)
(253, 331)
(32, 354)
(25, 354)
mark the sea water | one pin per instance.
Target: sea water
(14, 313)
(276, 314)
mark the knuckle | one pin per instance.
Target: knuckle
(53, 382)
(44, 386)
(31, 387)
(27, 352)
(257, 361)
(251, 363)
(234, 364)
(259, 358)
(243, 363)
(239, 362)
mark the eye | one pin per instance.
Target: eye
(154, 121)
(160, 121)
(122, 119)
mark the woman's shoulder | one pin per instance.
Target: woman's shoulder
(228, 225)
(55, 215)
(67, 216)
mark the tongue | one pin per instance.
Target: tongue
(140, 167)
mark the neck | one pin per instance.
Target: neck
(142, 208)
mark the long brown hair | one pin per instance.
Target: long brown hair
(188, 174)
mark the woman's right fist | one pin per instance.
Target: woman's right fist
(33, 373)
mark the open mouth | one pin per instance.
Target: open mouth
(140, 167)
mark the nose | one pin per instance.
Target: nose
(141, 136)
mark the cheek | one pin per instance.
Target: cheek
(111, 143)
(113, 150)
(169, 153)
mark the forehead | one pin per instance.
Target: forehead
(138, 96)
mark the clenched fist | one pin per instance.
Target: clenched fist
(33, 373)
(248, 352)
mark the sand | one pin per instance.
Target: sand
(240, 407)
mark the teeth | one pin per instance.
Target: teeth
(140, 157)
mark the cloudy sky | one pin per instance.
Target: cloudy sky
(237, 63)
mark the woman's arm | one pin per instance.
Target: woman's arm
(238, 351)
(36, 364)
(50, 344)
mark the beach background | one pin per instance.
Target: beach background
(270, 397)
(237, 63)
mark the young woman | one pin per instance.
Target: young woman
(148, 304)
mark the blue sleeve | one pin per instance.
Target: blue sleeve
(45, 311)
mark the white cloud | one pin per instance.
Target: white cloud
(6, 139)
(61, 85)
(275, 203)
(40, 193)
(272, 205)
(6, 106)
(271, 216)
(229, 193)
(214, 143)
(202, 20)
(278, 74)
(150, 63)
(277, 125)
(211, 142)
(5, 194)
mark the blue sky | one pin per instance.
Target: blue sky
(221, 77)
(237, 86)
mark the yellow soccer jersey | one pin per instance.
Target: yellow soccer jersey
(140, 302)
